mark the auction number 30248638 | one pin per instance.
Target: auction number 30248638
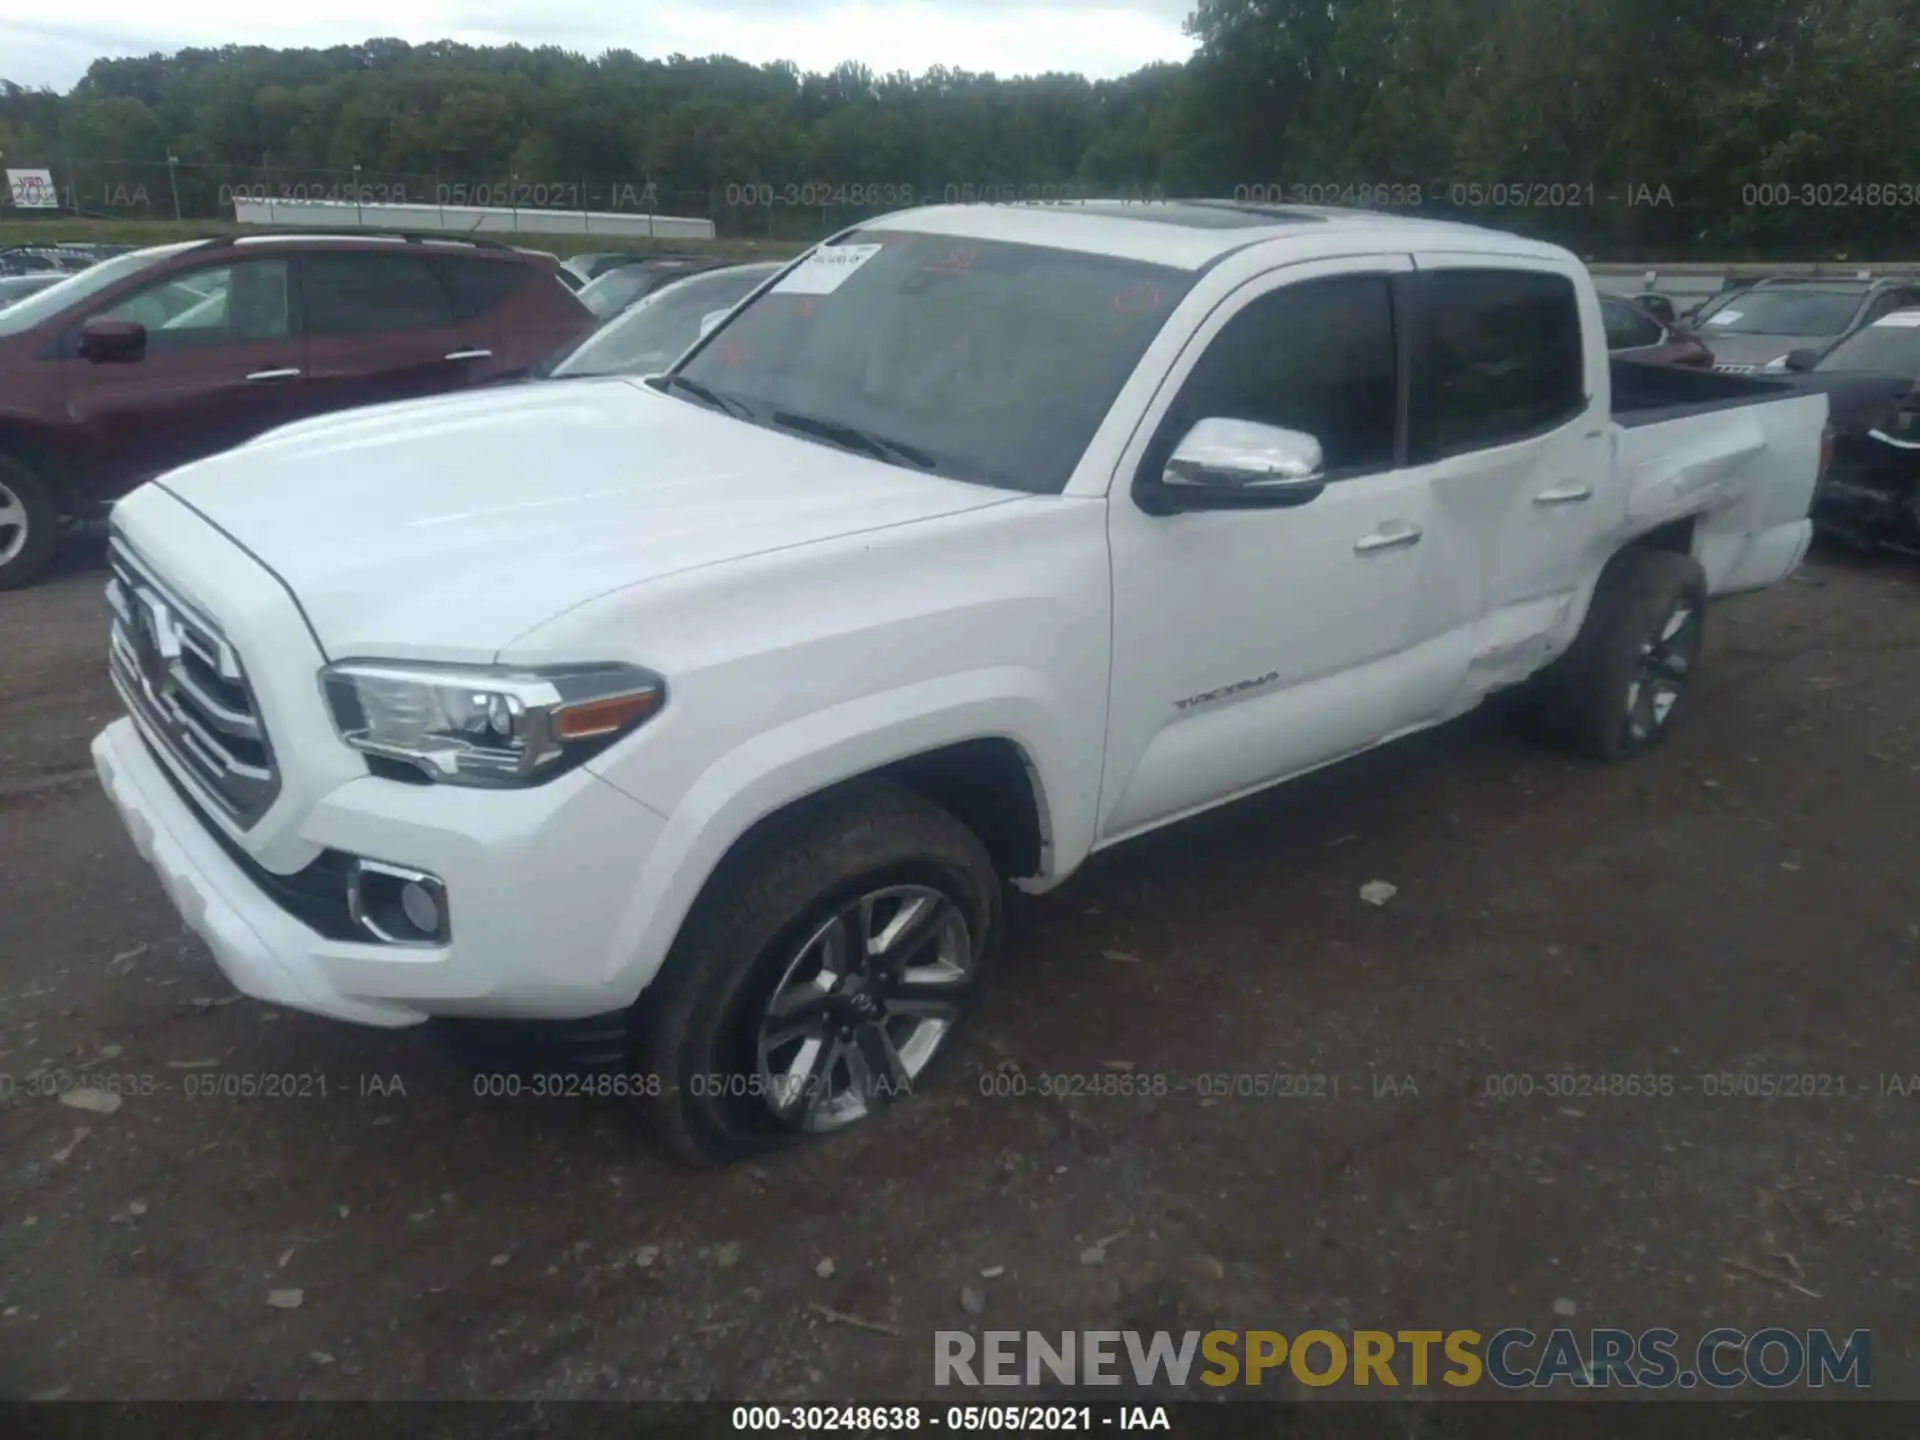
(826, 1419)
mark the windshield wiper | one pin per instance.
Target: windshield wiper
(852, 437)
(732, 405)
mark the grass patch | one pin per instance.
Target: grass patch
(64, 229)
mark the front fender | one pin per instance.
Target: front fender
(776, 767)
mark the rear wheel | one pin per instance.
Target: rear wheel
(1616, 691)
(29, 524)
(823, 973)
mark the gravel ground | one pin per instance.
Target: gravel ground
(1743, 901)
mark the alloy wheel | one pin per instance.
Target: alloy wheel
(13, 524)
(862, 1007)
(1661, 672)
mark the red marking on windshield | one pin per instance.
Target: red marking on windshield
(1137, 301)
(806, 310)
(728, 353)
(954, 262)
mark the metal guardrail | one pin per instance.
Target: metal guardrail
(1697, 281)
(458, 220)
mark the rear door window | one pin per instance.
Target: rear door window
(1501, 358)
(351, 292)
(477, 286)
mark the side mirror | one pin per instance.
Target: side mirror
(105, 341)
(711, 319)
(1802, 358)
(1658, 306)
(1225, 464)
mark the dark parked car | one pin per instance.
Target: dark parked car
(1871, 492)
(1633, 333)
(613, 290)
(151, 359)
(1760, 325)
(653, 332)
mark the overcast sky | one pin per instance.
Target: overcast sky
(1098, 38)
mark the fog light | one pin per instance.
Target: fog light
(420, 907)
(396, 905)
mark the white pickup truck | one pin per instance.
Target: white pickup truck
(699, 718)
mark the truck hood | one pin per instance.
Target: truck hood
(442, 529)
(1756, 349)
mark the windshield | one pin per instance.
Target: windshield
(658, 330)
(985, 360)
(57, 299)
(1893, 344)
(1719, 302)
(1786, 312)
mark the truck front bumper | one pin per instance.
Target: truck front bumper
(538, 882)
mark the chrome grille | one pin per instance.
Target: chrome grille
(178, 675)
(1736, 369)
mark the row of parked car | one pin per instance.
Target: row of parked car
(118, 364)
(116, 368)
(1856, 340)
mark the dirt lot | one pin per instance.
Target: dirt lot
(1744, 901)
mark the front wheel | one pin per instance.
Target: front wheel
(821, 974)
(29, 524)
(1616, 691)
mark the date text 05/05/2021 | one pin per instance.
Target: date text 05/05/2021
(859, 1419)
(1374, 1361)
(86, 1088)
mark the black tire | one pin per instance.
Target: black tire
(42, 520)
(702, 1018)
(1586, 700)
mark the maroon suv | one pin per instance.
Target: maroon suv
(162, 356)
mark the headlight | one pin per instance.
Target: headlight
(1779, 362)
(487, 725)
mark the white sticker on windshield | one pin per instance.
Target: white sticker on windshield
(1907, 318)
(1725, 317)
(826, 270)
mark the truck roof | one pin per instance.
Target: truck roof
(1191, 234)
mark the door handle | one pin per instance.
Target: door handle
(288, 374)
(1390, 536)
(1564, 495)
(469, 355)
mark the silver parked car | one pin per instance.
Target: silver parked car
(658, 329)
(1760, 326)
(15, 288)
